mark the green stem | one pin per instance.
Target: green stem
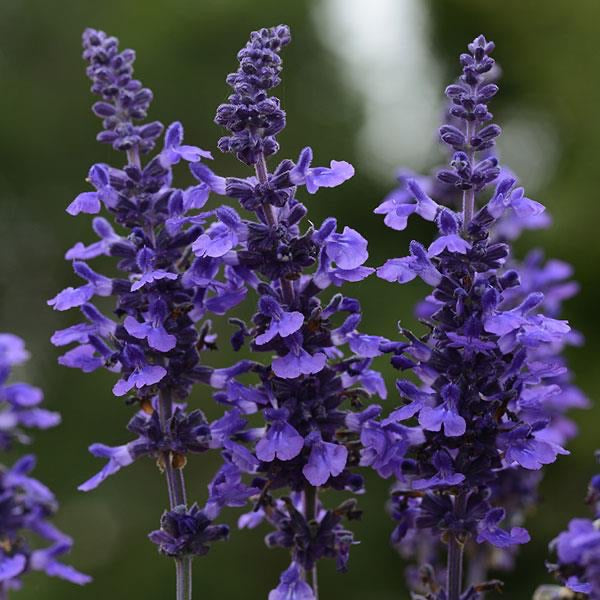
(177, 497)
(455, 559)
(455, 555)
(183, 575)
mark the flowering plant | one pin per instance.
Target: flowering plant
(492, 391)
(317, 369)
(26, 504)
(159, 302)
(484, 385)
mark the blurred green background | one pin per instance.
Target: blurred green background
(363, 82)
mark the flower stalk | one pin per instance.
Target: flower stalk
(304, 445)
(157, 330)
(465, 441)
(454, 572)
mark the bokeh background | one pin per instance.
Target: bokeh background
(363, 82)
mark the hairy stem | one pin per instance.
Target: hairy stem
(183, 574)
(311, 500)
(455, 555)
(454, 575)
(177, 497)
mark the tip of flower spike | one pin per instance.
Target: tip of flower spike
(481, 45)
(251, 116)
(274, 38)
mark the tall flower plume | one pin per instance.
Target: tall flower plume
(488, 411)
(318, 366)
(157, 330)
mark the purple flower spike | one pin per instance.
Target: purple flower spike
(315, 370)
(175, 265)
(325, 460)
(492, 387)
(315, 178)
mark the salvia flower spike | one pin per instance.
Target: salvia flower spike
(320, 364)
(487, 366)
(153, 340)
(484, 406)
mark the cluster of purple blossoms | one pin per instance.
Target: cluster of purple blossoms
(153, 339)
(321, 364)
(26, 504)
(514, 490)
(488, 412)
(484, 408)
(578, 555)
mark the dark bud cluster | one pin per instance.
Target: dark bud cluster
(252, 117)
(469, 106)
(184, 532)
(124, 99)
